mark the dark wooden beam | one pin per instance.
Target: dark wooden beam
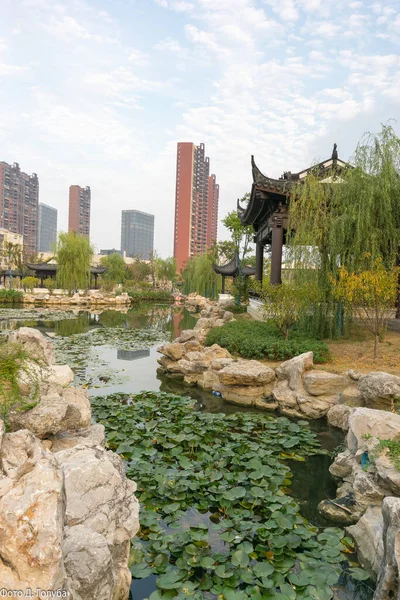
(277, 248)
(259, 261)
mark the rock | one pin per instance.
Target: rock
(319, 383)
(343, 465)
(379, 390)
(19, 452)
(247, 395)
(168, 364)
(219, 363)
(193, 346)
(366, 422)
(338, 416)
(88, 563)
(215, 352)
(293, 369)
(188, 367)
(354, 375)
(55, 413)
(368, 537)
(341, 510)
(351, 396)
(284, 396)
(246, 372)
(203, 323)
(32, 379)
(92, 437)
(266, 403)
(366, 488)
(387, 474)
(228, 316)
(61, 375)
(31, 532)
(315, 408)
(389, 576)
(173, 351)
(35, 344)
(186, 335)
(209, 381)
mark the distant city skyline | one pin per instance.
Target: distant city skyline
(137, 233)
(47, 228)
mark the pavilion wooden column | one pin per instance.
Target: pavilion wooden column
(277, 247)
(259, 261)
(223, 285)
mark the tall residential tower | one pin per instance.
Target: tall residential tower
(79, 210)
(19, 204)
(196, 203)
(47, 227)
(137, 234)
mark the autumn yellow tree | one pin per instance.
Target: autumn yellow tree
(371, 296)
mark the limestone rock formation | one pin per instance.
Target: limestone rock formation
(35, 344)
(246, 372)
(379, 390)
(389, 575)
(318, 383)
(339, 415)
(368, 537)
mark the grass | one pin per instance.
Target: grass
(11, 296)
(140, 296)
(262, 340)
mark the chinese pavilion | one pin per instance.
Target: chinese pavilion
(268, 209)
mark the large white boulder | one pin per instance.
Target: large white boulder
(319, 383)
(389, 575)
(366, 422)
(294, 369)
(55, 413)
(246, 372)
(36, 345)
(339, 415)
(379, 389)
(368, 538)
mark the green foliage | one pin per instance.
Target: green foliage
(13, 361)
(150, 295)
(165, 270)
(30, 283)
(393, 450)
(336, 225)
(11, 296)
(74, 255)
(139, 271)
(215, 516)
(199, 276)
(286, 303)
(237, 309)
(241, 235)
(50, 283)
(255, 339)
(116, 268)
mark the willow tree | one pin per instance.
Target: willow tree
(199, 276)
(74, 254)
(352, 217)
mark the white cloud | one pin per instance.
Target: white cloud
(170, 45)
(67, 28)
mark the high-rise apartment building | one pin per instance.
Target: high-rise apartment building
(196, 203)
(79, 210)
(19, 204)
(137, 234)
(47, 227)
(212, 215)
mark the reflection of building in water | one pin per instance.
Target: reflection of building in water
(132, 354)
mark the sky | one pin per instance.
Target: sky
(99, 92)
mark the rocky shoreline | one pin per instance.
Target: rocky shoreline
(67, 510)
(294, 389)
(90, 298)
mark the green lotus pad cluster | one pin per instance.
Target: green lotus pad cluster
(216, 518)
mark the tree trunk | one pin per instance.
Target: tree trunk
(376, 346)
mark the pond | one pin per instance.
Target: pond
(115, 352)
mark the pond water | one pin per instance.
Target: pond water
(116, 351)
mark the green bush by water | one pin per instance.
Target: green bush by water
(256, 339)
(139, 296)
(11, 296)
(215, 514)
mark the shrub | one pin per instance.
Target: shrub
(139, 296)
(29, 283)
(237, 309)
(50, 284)
(11, 296)
(256, 339)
